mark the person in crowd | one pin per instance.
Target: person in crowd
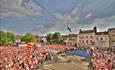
(102, 59)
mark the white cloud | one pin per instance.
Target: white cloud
(76, 9)
(63, 18)
(68, 18)
(61, 22)
(79, 4)
(102, 21)
(14, 8)
(88, 15)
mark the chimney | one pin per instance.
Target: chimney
(95, 29)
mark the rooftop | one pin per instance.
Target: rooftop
(86, 31)
(111, 29)
(102, 33)
(70, 35)
(94, 30)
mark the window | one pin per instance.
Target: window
(113, 43)
(103, 44)
(86, 36)
(82, 37)
(97, 38)
(101, 38)
(79, 41)
(86, 41)
(82, 41)
(91, 37)
(91, 41)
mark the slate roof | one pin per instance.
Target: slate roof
(70, 35)
(111, 29)
(102, 33)
(86, 31)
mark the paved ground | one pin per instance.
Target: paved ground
(74, 65)
(66, 66)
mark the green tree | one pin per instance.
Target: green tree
(29, 37)
(11, 37)
(57, 37)
(6, 37)
(49, 38)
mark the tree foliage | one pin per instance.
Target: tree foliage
(6, 37)
(49, 37)
(29, 37)
(55, 38)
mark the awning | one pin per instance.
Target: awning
(79, 52)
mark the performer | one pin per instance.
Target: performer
(29, 47)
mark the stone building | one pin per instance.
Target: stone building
(111, 33)
(37, 39)
(86, 38)
(102, 40)
(70, 39)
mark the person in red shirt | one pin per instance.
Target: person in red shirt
(29, 47)
(109, 65)
(5, 45)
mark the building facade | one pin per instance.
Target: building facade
(111, 33)
(18, 39)
(37, 39)
(86, 38)
(70, 39)
(102, 40)
(42, 39)
(89, 38)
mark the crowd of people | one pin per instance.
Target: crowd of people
(25, 58)
(102, 59)
(13, 58)
(30, 57)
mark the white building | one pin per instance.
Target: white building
(86, 38)
(101, 39)
(42, 39)
(18, 39)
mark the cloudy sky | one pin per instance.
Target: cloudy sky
(44, 16)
